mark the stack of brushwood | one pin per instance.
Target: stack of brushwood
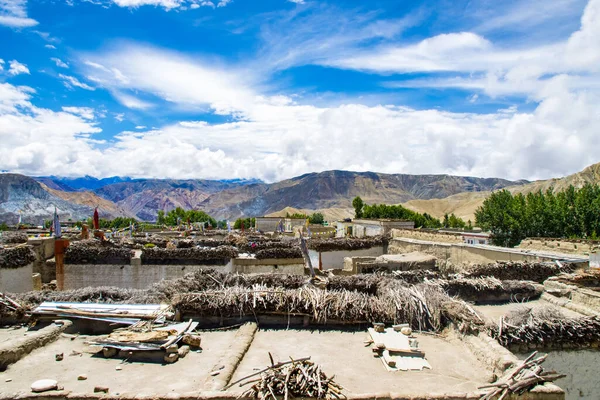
(197, 242)
(488, 289)
(13, 237)
(295, 378)
(190, 255)
(95, 252)
(521, 379)
(536, 271)
(415, 276)
(141, 242)
(253, 247)
(279, 252)
(333, 244)
(546, 328)
(589, 278)
(16, 257)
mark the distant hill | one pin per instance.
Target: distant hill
(330, 192)
(23, 195)
(144, 197)
(464, 205)
(336, 189)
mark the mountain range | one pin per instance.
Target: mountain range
(330, 192)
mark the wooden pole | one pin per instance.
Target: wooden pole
(59, 253)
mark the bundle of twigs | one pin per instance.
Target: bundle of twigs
(96, 252)
(321, 305)
(299, 378)
(490, 289)
(16, 257)
(176, 256)
(536, 271)
(549, 332)
(279, 252)
(333, 244)
(521, 379)
(8, 237)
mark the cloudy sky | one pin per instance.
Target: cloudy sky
(272, 89)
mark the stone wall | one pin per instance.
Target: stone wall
(582, 247)
(335, 259)
(427, 235)
(460, 253)
(293, 266)
(44, 250)
(16, 280)
(128, 276)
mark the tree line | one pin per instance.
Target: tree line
(377, 211)
(572, 213)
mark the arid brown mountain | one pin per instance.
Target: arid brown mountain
(106, 208)
(330, 192)
(23, 195)
(144, 197)
(336, 189)
(464, 205)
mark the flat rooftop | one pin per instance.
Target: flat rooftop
(455, 369)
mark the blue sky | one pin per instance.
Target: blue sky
(274, 89)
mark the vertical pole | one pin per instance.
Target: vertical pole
(320, 262)
(59, 252)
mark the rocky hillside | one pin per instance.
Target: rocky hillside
(144, 197)
(21, 194)
(330, 192)
(336, 189)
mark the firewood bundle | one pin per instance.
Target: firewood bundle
(531, 271)
(15, 257)
(333, 244)
(295, 378)
(279, 252)
(521, 379)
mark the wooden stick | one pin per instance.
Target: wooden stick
(279, 364)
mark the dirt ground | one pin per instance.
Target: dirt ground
(454, 368)
(494, 312)
(187, 374)
(8, 333)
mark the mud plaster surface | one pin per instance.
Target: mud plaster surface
(11, 333)
(454, 368)
(494, 312)
(187, 374)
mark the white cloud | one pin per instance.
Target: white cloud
(17, 68)
(49, 46)
(297, 1)
(59, 62)
(175, 78)
(119, 117)
(480, 65)
(166, 4)
(140, 127)
(1, 65)
(71, 81)
(84, 112)
(13, 13)
(38, 139)
(131, 101)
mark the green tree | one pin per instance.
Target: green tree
(160, 217)
(316, 218)
(3, 226)
(358, 204)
